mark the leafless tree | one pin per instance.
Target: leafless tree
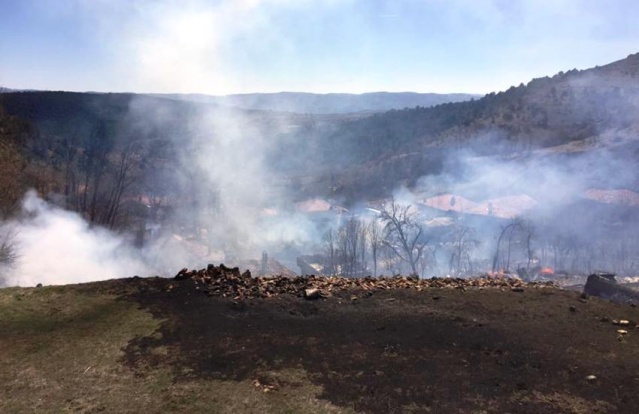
(464, 241)
(375, 240)
(529, 230)
(428, 261)
(519, 232)
(124, 175)
(352, 244)
(390, 260)
(403, 234)
(95, 163)
(330, 248)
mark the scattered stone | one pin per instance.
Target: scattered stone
(183, 274)
(621, 322)
(622, 332)
(313, 294)
(591, 378)
(223, 281)
(263, 387)
(573, 309)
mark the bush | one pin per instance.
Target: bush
(8, 252)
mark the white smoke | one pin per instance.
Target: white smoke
(55, 246)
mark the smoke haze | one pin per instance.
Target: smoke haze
(56, 246)
(221, 178)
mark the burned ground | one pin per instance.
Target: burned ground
(402, 350)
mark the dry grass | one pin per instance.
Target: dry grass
(61, 351)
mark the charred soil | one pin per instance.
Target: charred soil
(524, 350)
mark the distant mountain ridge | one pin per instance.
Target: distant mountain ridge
(331, 103)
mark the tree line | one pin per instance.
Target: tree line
(397, 240)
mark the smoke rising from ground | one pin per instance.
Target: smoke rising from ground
(236, 205)
(56, 246)
(223, 165)
(220, 181)
(575, 205)
(219, 200)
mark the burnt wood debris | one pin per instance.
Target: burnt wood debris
(604, 285)
(229, 282)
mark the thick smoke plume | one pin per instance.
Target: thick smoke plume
(224, 203)
(56, 246)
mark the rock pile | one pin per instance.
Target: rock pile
(231, 283)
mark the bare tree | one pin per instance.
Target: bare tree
(518, 232)
(403, 233)
(529, 230)
(331, 253)
(348, 242)
(94, 165)
(375, 240)
(127, 161)
(390, 260)
(428, 261)
(464, 241)
(346, 248)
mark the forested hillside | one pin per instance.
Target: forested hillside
(593, 106)
(19, 168)
(98, 143)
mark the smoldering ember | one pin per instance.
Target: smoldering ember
(385, 252)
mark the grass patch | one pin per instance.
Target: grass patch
(61, 351)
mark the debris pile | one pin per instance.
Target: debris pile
(229, 282)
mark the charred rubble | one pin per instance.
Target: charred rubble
(227, 282)
(605, 286)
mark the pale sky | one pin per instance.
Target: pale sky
(242, 46)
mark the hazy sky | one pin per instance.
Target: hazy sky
(241, 46)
